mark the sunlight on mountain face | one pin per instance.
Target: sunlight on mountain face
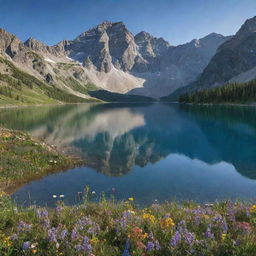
(77, 124)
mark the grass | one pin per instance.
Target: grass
(23, 158)
(18, 87)
(108, 228)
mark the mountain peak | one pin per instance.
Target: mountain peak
(36, 45)
(107, 24)
(213, 35)
(143, 34)
(247, 28)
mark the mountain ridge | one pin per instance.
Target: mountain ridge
(234, 62)
(111, 58)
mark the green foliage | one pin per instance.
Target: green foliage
(23, 159)
(111, 228)
(230, 93)
(77, 86)
(19, 80)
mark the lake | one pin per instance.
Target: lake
(152, 152)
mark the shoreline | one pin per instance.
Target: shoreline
(153, 102)
(32, 159)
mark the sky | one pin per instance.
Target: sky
(177, 21)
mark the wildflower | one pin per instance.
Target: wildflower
(74, 235)
(245, 226)
(61, 196)
(150, 246)
(85, 246)
(223, 236)
(63, 234)
(131, 212)
(94, 240)
(34, 245)
(42, 213)
(148, 217)
(46, 223)
(131, 199)
(52, 235)
(23, 226)
(93, 192)
(26, 245)
(253, 209)
(219, 221)
(175, 240)
(140, 245)
(167, 222)
(237, 242)
(126, 249)
(157, 245)
(54, 196)
(189, 238)
(2, 194)
(59, 209)
(7, 242)
(209, 234)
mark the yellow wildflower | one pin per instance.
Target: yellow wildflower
(223, 236)
(148, 217)
(253, 209)
(131, 199)
(94, 240)
(144, 236)
(167, 222)
(2, 194)
(7, 242)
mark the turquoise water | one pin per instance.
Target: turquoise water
(152, 152)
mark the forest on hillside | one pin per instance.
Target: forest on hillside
(230, 93)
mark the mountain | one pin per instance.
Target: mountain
(175, 67)
(31, 73)
(107, 57)
(234, 61)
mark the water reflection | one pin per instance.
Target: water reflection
(113, 138)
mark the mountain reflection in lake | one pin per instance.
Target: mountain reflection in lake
(156, 151)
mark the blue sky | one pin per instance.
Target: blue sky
(178, 21)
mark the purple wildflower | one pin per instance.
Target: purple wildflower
(157, 245)
(150, 246)
(197, 220)
(74, 235)
(63, 234)
(189, 238)
(26, 245)
(23, 226)
(175, 240)
(237, 242)
(42, 213)
(46, 223)
(59, 209)
(85, 246)
(221, 223)
(208, 233)
(126, 249)
(52, 235)
(151, 236)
